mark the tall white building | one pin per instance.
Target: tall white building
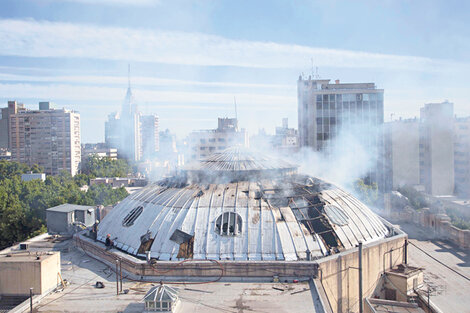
(47, 137)
(204, 142)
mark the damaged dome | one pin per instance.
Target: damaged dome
(240, 205)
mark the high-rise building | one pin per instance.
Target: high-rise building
(436, 148)
(326, 110)
(12, 108)
(150, 135)
(47, 137)
(204, 142)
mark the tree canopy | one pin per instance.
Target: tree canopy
(23, 204)
(105, 167)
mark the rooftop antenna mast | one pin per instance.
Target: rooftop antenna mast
(129, 75)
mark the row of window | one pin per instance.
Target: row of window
(350, 97)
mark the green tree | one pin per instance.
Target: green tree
(105, 167)
(368, 193)
(23, 204)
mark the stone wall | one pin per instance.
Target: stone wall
(437, 224)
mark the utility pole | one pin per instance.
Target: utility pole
(31, 300)
(117, 277)
(120, 273)
(360, 278)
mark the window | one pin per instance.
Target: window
(132, 216)
(228, 224)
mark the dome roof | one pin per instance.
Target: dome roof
(278, 215)
(237, 163)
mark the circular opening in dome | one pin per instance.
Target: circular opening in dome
(336, 215)
(228, 224)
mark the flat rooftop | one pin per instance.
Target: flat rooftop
(23, 257)
(70, 208)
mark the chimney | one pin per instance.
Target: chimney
(337, 81)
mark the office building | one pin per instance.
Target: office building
(47, 137)
(205, 142)
(327, 110)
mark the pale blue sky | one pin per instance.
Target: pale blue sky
(190, 58)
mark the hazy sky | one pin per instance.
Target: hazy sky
(190, 58)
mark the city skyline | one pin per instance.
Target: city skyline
(190, 61)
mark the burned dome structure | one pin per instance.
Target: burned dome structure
(241, 205)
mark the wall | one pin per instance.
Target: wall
(50, 269)
(437, 224)
(338, 273)
(24, 272)
(58, 222)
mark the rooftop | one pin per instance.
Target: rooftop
(66, 207)
(29, 257)
(81, 272)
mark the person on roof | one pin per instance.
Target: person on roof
(109, 242)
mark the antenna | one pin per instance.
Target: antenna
(129, 75)
(317, 76)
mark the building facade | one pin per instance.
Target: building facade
(205, 142)
(327, 110)
(436, 148)
(47, 137)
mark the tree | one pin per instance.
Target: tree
(368, 193)
(23, 204)
(105, 167)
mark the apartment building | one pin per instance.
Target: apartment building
(204, 142)
(47, 137)
(327, 110)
